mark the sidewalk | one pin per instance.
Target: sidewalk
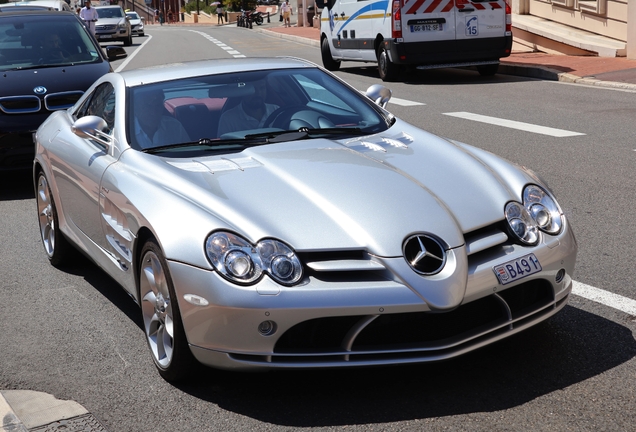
(26, 410)
(617, 72)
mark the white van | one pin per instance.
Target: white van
(421, 33)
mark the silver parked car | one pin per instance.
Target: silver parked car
(265, 214)
(113, 25)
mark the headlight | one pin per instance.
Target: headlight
(543, 209)
(236, 259)
(521, 223)
(539, 211)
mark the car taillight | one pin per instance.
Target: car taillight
(508, 18)
(396, 20)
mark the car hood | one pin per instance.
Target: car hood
(54, 79)
(109, 21)
(363, 193)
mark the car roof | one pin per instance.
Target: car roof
(155, 74)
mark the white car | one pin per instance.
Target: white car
(136, 23)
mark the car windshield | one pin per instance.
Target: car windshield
(132, 15)
(110, 12)
(33, 41)
(236, 109)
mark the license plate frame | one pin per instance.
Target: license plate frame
(516, 269)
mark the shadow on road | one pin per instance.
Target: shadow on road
(16, 185)
(571, 347)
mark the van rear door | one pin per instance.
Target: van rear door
(479, 19)
(428, 20)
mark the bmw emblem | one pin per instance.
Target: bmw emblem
(40, 90)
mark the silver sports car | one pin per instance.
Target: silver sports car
(265, 214)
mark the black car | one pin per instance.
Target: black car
(47, 60)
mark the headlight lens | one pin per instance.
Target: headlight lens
(239, 261)
(543, 209)
(539, 211)
(521, 223)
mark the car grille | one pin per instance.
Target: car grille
(32, 104)
(106, 27)
(58, 101)
(20, 104)
(415, 336)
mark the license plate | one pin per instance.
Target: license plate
(517, 269)
(105, 36)
(427, 27)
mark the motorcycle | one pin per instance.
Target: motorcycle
(248, 17)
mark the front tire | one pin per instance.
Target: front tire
(57, 248)
(162, 319)
(388, 70)
(128, 41)
(327, 60)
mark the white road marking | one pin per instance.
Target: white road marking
(528, 127)
(404, 102)
(623, 304)
(223, 46)
(131, 56)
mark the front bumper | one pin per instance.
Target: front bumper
(376, 322)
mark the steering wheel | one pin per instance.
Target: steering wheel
(282, 116)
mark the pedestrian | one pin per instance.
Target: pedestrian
(156, 20)
(161, 18)
(286, 9)
(219, 14)
(170, 17)
(89, 16)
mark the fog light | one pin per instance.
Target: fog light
(267, 328)
(560, 275)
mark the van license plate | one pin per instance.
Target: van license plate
(427, 27)
(517, 269)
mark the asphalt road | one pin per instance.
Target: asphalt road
(77, 335)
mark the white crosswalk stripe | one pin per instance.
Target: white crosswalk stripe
(528, 127)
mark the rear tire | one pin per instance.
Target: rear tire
(162, 319)
(388, 71)
(488, 70)
(57, 248)
(327, 60)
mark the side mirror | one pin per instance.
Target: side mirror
(143, 18)
(115, 53)
(92, 127)
(379, 94)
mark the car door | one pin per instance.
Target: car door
(81, 163)
(480, 19)
(345, 29)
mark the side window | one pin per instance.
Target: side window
(101, 104)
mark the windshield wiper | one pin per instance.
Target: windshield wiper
(291, 135)
(206, 142)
